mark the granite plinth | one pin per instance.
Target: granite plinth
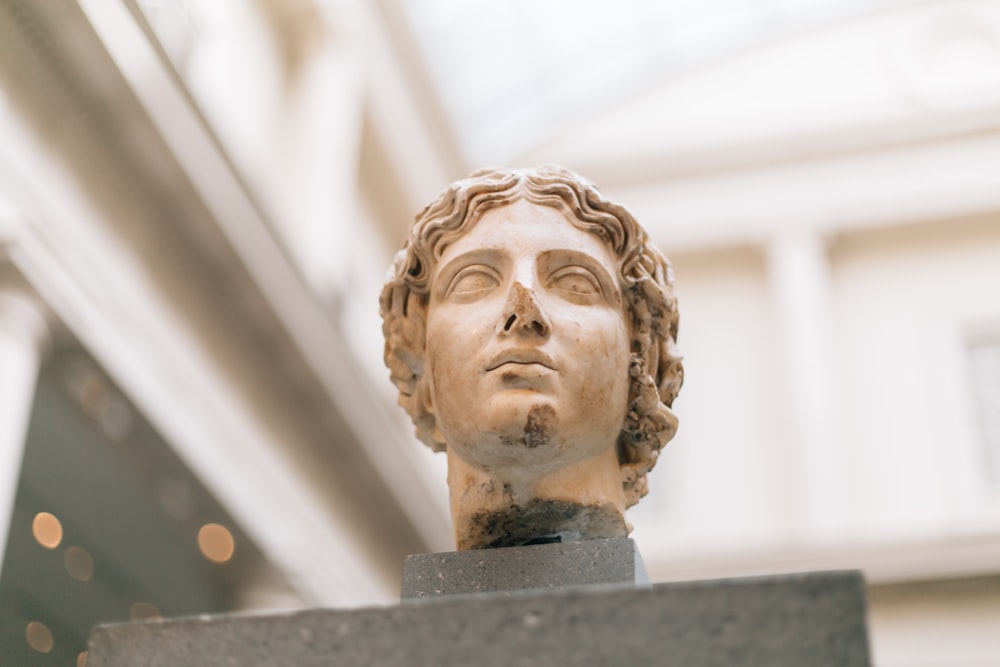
(611, 561)
(787, 621)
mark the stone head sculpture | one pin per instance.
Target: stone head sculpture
(530, 329)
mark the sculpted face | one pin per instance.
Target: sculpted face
(527, 349)
(533, 343)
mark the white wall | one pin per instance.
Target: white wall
(939, 624)
(907, 301)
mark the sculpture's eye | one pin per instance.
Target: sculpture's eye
(576, 280)
(473, 279)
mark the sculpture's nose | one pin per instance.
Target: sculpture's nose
(523, 313)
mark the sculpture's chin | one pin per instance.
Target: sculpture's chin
(535, 436)
(542, 521)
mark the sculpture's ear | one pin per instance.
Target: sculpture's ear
(426, 401)
(424, 396)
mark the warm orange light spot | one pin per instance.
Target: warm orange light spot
(81, 659)
(39, 637)
(79, 563)
(216, 543)
(47, 530)
(143, 611)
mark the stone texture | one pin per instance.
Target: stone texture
(790, 621)
(613, 561)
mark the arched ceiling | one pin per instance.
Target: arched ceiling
(509, 77)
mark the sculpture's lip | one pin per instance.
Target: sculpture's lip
(521, 355)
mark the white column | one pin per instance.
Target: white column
(23, 333)
(799, 281)
(319, 173)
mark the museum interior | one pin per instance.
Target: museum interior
(199, 200)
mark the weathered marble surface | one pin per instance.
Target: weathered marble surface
(788, 621)
(530, 330)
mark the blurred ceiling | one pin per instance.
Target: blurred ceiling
(510, 76)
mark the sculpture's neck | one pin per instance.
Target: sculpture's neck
(508, 506)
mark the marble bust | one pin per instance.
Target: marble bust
(530, 329)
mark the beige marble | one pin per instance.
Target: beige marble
(530, 329)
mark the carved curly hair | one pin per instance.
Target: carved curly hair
(645, 277)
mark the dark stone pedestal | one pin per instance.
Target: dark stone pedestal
(563, 565)
(788, 621)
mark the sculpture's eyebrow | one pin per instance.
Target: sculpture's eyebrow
(445, 272)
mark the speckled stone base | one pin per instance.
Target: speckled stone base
(611, 561)
(786, 621)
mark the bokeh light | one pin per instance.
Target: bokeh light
(216, 542)
(79, 563)
(47, 530)
(39, 637)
